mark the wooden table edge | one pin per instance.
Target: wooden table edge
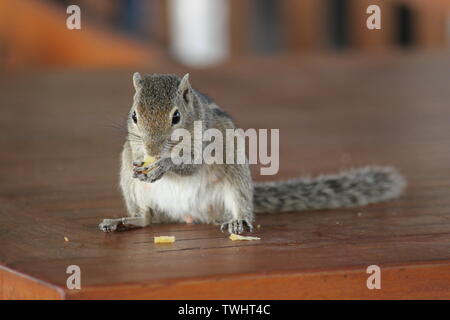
(415, 280)
(15, 285)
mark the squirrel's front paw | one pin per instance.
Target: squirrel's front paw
(109, 225)
(153, 172)
(237, 226)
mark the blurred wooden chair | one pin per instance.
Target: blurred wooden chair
(313, 25)
(34, 34)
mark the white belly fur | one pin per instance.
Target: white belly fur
(200, 197)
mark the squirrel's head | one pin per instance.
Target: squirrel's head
(162, 103)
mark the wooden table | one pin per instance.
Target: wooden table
(59, 156)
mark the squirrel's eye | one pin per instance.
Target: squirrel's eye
(176, 117)
(134, 117)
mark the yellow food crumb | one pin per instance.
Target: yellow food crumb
(165, 239)
(66, 239)
(148, 160)
(235, 237)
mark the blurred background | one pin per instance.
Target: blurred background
(205, 33)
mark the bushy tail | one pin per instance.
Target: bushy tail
(350, 188)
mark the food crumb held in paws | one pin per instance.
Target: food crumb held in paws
(148, 160)
(235, 237)
(66, 239)
(164, 239)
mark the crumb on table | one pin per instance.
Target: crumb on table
(164, 239)
(235, 237)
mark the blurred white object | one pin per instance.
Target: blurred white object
(199, 31)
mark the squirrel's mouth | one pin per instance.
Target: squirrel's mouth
(148, 157)
(151, 152)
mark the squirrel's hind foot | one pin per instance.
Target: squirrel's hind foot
(237, 226)
(109, 225)
(121, 224)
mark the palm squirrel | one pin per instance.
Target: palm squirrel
(222, 194)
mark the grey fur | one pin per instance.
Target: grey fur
(354, 187)
(227, 190)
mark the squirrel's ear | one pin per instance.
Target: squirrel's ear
(184, 89)
(137, 80)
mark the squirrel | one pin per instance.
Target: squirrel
(221, 194)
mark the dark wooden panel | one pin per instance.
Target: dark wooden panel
(59, 160)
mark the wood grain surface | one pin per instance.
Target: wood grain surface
(59, 162)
